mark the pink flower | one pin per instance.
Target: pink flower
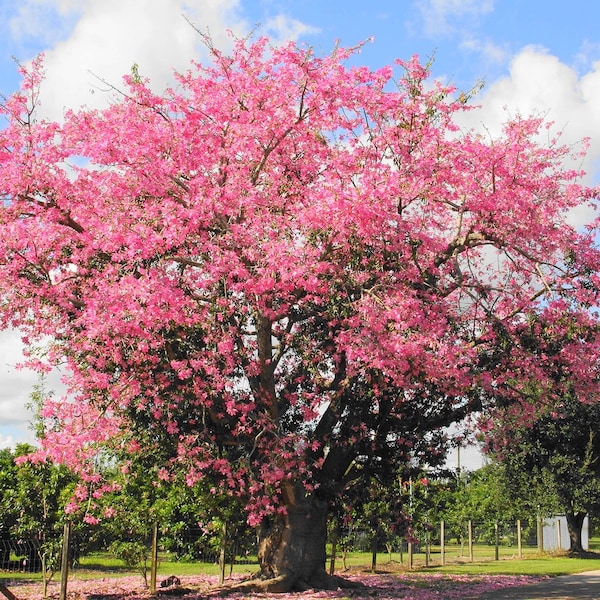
(90, 519)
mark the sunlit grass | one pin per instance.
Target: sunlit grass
(103, 565)
(457, 562)
(545, 565)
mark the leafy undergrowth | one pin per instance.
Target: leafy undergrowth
(408, 586)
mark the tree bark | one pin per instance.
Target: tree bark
(293, 545)
(291, 549)
(574, 526)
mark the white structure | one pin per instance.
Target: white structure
(556, 534)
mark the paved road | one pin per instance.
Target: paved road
(581, 586)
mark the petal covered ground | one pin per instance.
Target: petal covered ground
(407, 586)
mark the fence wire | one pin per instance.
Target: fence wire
(20, 555)
(430, 545)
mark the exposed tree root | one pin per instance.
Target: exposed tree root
(287, 582)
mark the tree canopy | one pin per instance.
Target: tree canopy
(285, 273)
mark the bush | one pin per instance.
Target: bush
(135, 555)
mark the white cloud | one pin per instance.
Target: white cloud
(45, 20)
(587, 55)
(487, 50)
(7, 441)
(89, 42)
(110, 36)
(16, 386)
(282, 28)
(538, 83)
(18, 435)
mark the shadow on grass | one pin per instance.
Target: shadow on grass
(91, 568)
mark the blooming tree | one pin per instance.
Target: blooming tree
(284, 272)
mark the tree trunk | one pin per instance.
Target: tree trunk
(574, 527)
(291, 549)
(293, 545)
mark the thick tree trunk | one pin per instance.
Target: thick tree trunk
(291, 550)
(574, 526)
(292, 546)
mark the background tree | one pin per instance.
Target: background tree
(281, 272)
(556, 450)
(8, 487)
(190, 519)
(33, 497)
(554, 464)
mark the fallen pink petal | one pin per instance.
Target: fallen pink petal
(408, 586)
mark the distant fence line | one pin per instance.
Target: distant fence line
(437, 543)
(194, 545)
(434, 544)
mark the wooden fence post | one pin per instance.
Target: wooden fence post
(442, 543)
(496, 541)
(519, 538)
(222, 554)
(64, 566)
(470, 528)
(154, 558)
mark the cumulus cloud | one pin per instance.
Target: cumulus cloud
(7, 441)
(586, 56)
(281, 28)
(460, 20)
(486, 49)
(109, 37)
(45, 20)
(538, 83)
(16, 386)
(94, 42)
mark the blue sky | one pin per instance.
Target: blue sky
(471, 39)
(534, 56)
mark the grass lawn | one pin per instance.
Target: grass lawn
(101, 565)
(544, 565)
(457, 562)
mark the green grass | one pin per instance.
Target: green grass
(532, 563)
(544, 565)
(453, 554)
(100, 564)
